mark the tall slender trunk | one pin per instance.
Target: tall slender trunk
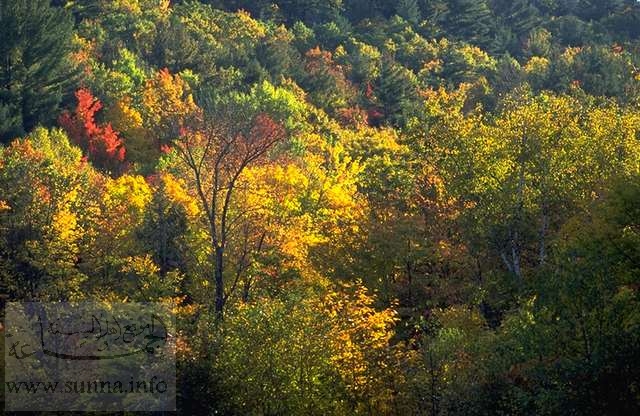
(435, 410)
(543, 236)
(219, 267)
(516, 243)
(515, 256)
(245, 290)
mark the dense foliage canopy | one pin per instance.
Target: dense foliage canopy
(413, 207)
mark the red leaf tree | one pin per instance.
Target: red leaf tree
(100, 142)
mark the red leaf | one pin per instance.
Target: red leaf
(100, 142)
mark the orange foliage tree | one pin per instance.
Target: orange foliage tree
(167, 104)
(215, 151)
(99, 142)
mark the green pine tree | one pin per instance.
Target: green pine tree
(468, 20)
(515, 21)
(599, 9)
(409, 11)
(35, 71)
(311, 11)
(394, 89)
(276, 54)
(163, 232)
(435, 12)
(520, 16)
(83, 9)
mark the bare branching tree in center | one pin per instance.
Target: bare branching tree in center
(216, 151)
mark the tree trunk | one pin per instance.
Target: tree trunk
(245, 290)
(515, 256)
(516, 243)
(543, 235)
(219, 267)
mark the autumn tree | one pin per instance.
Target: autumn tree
(212, 42)
(580, 321)
(100, 142)
(216, 150)
(42, 182)
(325, 351)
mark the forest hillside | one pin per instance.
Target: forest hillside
(354, 207)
